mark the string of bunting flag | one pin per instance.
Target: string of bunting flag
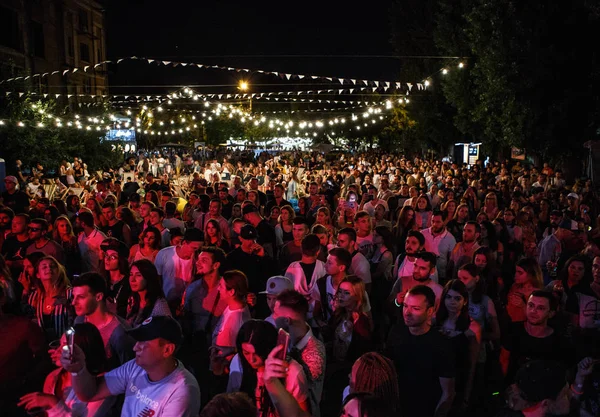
(374, 84)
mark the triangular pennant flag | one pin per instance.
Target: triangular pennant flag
(288, 76)
(150, 61)
(85, 68)
(341, 80)
(329, 78)
(386, 88)
(97, 65)
(166, 62)
(199, 65)
(35, 75)
(366, 82)
(374, 89)
(409, 86)
(319, 91)
(26, 78)
(351, 90)
(420, 86)
(300, 76)
(397, 85)
(45, 74)
(118, 61)
(184, 64)
(314, 77)
(387, 84)
(45, 95)
(75, 70)
(353, 82)
(21, 94)
(65, 72)
(340, 91)
(57, 95)
(376, 83)
(252, 95)
(220, 96)
(69, 95)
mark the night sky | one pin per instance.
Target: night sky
(267, 34)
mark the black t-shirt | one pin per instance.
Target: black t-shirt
(308, 271)
(266, 233)
(17, 202)
(116, 230)
(523, 348)
(153, 187)
(257, 269)
(13, 249)
(420, 362)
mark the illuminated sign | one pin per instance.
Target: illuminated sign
(127, 135)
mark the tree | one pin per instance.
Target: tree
(49, 144)
(412, 27)
(531, 79)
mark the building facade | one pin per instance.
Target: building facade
(42, 36)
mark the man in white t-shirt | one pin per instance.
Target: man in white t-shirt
(405, 262)
(155, 383)
(175, 264)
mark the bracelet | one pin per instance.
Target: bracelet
(399, 305)
(574, 391)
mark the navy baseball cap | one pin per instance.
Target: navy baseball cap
(164, 327)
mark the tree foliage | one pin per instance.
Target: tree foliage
(531, 77)
(49, 145)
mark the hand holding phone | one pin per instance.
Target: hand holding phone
(283, 339)
(70, 335)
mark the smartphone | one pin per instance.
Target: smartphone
(70, 335)
(283, 339)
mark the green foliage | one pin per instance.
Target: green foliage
(531, 79)
(50, 145)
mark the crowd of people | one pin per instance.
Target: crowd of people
(299, 284)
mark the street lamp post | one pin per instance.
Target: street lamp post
(244, 86)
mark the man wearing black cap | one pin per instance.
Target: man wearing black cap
(251, 259)
(540, 390)
(266, 233)
(155, 384)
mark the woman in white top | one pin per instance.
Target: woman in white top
(233, 289)
(256, 339)
(58, 397)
